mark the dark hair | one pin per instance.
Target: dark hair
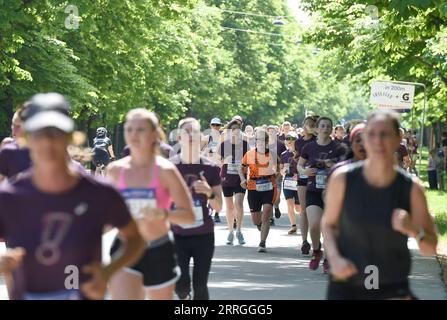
(232, 123)
(324, 119)
(313, 118)
(387, 115)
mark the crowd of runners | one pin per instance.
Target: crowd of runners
(354, 188)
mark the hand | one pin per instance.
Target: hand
(342, 268)
(310, 172)
(11, 259)
(202, 187)
(244, 184)
(401, 222)
(96, 287)
(112, 158)
(328, 163)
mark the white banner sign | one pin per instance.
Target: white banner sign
(388, 95)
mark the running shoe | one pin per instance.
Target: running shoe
(216, 218)
(240, 237)
(326, 266)
(315, 261)
(262, 247)
(305, 247)
(259, 226)
(292, 230)
(230, 238)
(272, 222)
(277, 213)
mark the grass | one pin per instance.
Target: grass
(437, 202)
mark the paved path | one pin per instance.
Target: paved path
(241, 273)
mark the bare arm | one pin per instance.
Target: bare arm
(420, 219)
(300, 167)
(112, 154)
(340, 267)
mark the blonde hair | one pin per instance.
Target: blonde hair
(152, 119)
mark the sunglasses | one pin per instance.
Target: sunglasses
(290, 139)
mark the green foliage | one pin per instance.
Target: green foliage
(174, 57)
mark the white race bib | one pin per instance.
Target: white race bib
(290, 184)
(213, 145)
(264, 185)
(233, 168)
(320, 179)
(198, 213)
(140, 200)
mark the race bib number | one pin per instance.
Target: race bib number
(264, 185)
(320, 179)
(290, 184)
(58, 295)
(213, 145)
(139, 201)
(233, 168)
(198, 213)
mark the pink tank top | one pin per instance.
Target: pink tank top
(153, 190)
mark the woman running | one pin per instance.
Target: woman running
(373, 207)
(261, 185)
(59, 216)
(321, 155)
(231, 151)
(308, 137)
(196, 240)
(149, 183)
(289, 160)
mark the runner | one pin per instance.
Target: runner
(261, 185)
(358, 236)
(232, 150)
(321, 155)
(148, 182)
(276, 148)
(357, 147)
(59, 215)
(308, 137)
(210, 146)
(289, 160)
(196, 240)
(339, 133)
(285, 129)
(249, 132)
(15, 157)
(403, 159)
(102, 150)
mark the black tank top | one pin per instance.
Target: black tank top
(366, 236)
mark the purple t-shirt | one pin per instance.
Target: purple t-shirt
(300, 143)
(276, 149)
(204, 223)
(315, 156)
(231, 153)
(57, 230)
(288, 158)
(14, 160)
